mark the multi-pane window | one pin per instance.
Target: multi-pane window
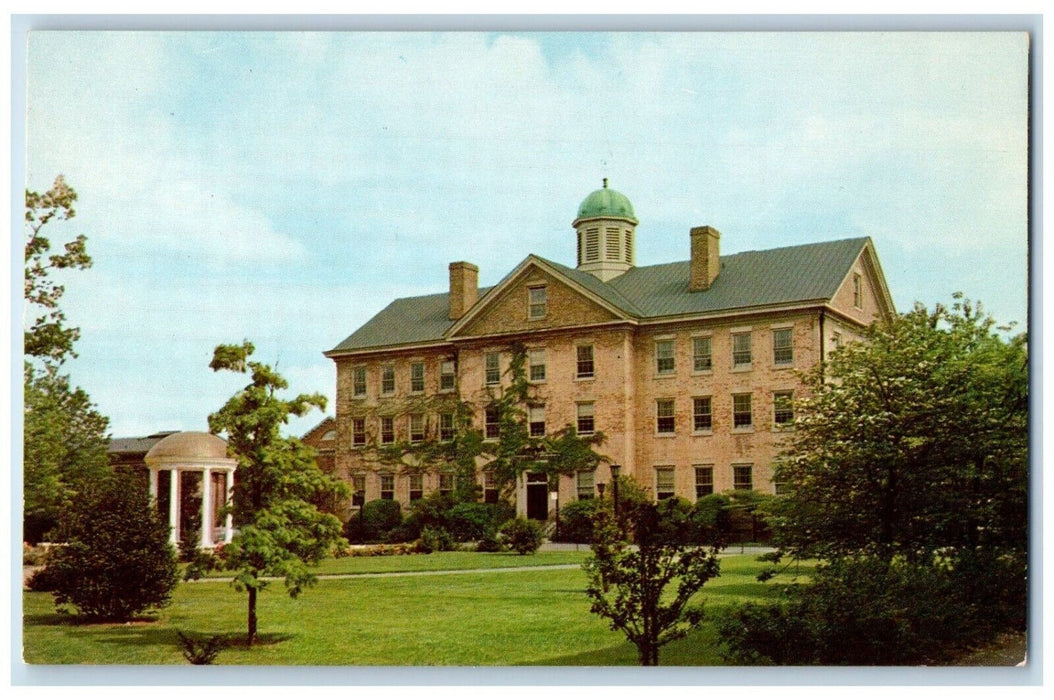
(358, 490)
(584, 362)
(664, 360)
(836, 340)
(387, 430)
(537, 302)
(782, 346)
(417, 487)
(446, 426)
(490, 487)
(446, 375)
(358, 381)
(704, 481)
(664, 419)
(783, 408)
(585, 485)
(417, 377)
(781, 488)
(742, 477)
(387, 487)
(702, 356)
(537, 420)
(492, 368)
(536, 364)
(358, 432)
(388, 379)
(742, 415)
(857, 296)
(585, 423)
(664, 482)
(491, 423)
(446, 483)
(702, 414)
(741, 354)
(417, 427)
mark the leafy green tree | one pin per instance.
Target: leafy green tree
(627, 585)
(281, 533)
(116, 561)
(65, 436)
(911, 442)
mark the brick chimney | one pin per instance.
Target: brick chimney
(706, 259)
(464, 281)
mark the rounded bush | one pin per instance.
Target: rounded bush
(376, 520)
(524, 536)
(469, 521)
(576, 521)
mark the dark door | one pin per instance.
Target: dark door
(537, 497)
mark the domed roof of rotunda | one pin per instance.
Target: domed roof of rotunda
(189, 445)
(606, 202)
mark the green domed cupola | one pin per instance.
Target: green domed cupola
(606, 203)
(605, 226)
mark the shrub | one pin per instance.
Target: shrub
(711, 520)
(116, 561)
(490, 543)
(524, 536)
(375, 521)
(576, 521)
(42, 581)
(469, 521)
(434, 540)
(200, 652)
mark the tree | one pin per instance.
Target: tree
(626, 585)
(65, 437)
(911, 442)
(281, 533)
(115, 561)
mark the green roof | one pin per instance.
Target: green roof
(756, 278)
(606, 203)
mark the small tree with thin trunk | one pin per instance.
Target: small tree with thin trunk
(280, 532)
(628, 585)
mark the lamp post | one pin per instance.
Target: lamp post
(555, 496)
(615, 468)
(600, 489)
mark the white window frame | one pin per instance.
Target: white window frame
(750, 411)
(789, 330)
(579, 374)
(533, 355)
(487, 369)
(382, 431)
(736, 363)
(385, 371)
(447, 377)
(707, 469)
(736, 482)
(709, 355)
(776, 396)
(535, 417)
(659, 416)
(664, 469)
(695, 414)
(590, 413)
(537, 302)
(662, 346)
(355, 393)
(356, 434)
(414, 367)
(585, 485)
(417, 427)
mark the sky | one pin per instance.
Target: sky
(285, 187)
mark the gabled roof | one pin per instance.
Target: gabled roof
(137, 445)
(751, 279)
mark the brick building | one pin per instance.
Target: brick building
(689, 368)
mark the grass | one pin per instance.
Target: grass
(487, 618)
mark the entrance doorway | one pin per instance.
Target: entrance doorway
(537, 496)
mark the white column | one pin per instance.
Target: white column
(173, 506)
(153, 486)
(228, 527)
(206, 508)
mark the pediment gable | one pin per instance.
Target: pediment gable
(863, 295)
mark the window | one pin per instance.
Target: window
(537, 303)
(492, 368)
(781, 488)
(417, 427)
(491, 424)
(446, 426)
(417, 377)
(358, 490)
(584, 362)
(742, 477)
(663, 483)
(417, 487)
(387, 430)
(584, 413)
(358, 381)
(585, 485)
(664, 420)
(592, 244)
(702, 415)
(536, 361)
(358, 432)
(446, 483)
(701, 355)
(742, 416)
(387, 487)
(388, 379)
(704, 481)
(782, 346)
(836, 340)
(664, 361)
(741, 356)
(490, 488)
(537, 420)
(446, 375)
(783, 408)
(857, 296)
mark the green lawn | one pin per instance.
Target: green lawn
(487, 618)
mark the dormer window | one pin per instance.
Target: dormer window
(538, 304)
